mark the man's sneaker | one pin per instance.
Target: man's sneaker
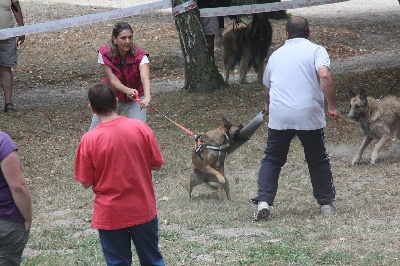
(262, 211)
(327, 209)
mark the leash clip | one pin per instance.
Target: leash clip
(137, 99)
(198, 147)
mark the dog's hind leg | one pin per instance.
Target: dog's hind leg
(226, 65)
(228, 53)
(260, 72)
(226, 74)
(229, 63)
(243, 67)
(226, 188)
(189, 186)
(222, 188)
(377, 148)
(367, 140)
(193, 180)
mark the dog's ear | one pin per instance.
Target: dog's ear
(262, 16)
(351, 94)
(363, 95)
(226, 122)
(255, 18)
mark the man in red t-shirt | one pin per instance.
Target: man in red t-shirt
(116, 159)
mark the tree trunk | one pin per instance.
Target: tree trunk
(203, 74)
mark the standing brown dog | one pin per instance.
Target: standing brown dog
(248, 47)
(377, 119)
(208, 158)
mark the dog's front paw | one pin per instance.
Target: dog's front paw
(221, 180)
(374, 158)
(354, 162)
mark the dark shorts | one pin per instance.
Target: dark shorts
(210, 25)
(13, 239)
(8, 52)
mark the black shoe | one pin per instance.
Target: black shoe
(9, 108)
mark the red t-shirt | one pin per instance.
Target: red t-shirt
(117, 157)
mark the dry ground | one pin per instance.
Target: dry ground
(54, 72)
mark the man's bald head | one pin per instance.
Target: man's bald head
(297, 27)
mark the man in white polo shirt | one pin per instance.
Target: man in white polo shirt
(296, 79)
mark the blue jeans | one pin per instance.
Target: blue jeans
(116, 244)
(276, 155)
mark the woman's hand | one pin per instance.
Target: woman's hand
(131, 93)
(20, 40)
(145, 101)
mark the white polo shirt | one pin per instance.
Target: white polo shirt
(296, 99)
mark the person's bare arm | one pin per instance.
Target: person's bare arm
(145, 78)
(11, 168)
(266, 94)
(20, 20)
(328, 88)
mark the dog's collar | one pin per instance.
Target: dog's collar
(199, 146)
(214, 148)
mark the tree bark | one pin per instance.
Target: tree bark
(203, 74)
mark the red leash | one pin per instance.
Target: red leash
(158, 112)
